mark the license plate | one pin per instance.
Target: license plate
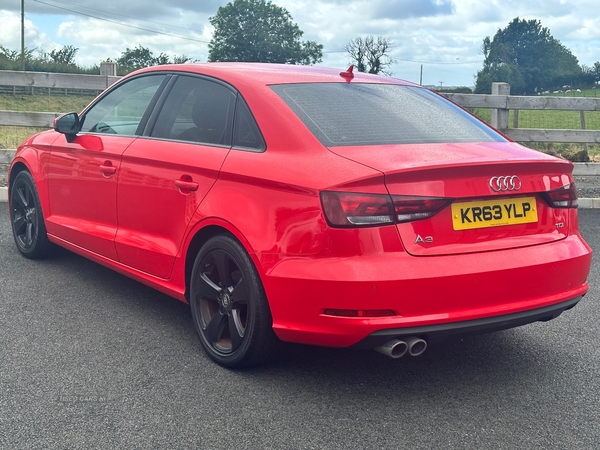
(493, 213)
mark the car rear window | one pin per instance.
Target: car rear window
(344, 114)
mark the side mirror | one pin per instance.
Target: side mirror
(68, 124)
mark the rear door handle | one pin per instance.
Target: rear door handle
(186, 185)
(108, 169)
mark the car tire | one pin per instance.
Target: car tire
(27, 219)
(229, 306)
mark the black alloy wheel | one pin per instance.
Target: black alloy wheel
(27, 219)
(229, 306)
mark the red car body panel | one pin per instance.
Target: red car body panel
(155, 205)
(151, 213)
(472, 287)
(82, 186)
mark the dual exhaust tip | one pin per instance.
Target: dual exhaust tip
(397, 348)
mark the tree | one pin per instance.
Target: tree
(136, 58)
(140, 57)
(528, 57)
(589, 75)
(181, 59)
(10, 55)
(63, 60)
(596, 73)
(370, 55)
(259, 31)
(37, 60)
(65, 55)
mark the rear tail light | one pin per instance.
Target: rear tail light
(565, 197)
(408, 209)
(347, 209)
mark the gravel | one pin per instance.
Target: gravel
(587, 186)
(3, 174)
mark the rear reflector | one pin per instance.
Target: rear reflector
(359, 312)
(565, 197)
(348, 209)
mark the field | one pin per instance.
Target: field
(556, 120)
(11, 137)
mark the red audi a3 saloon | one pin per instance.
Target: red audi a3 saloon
(304, 204)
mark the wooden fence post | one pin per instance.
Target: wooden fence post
(499, 118)
(582, 119)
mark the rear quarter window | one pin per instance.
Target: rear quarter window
(349, 114)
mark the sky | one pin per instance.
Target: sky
(441, 37)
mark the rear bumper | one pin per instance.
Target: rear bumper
(441, 332)
(435, 296)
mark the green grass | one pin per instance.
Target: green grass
(44, 103)
(555, 120)
(11, 137)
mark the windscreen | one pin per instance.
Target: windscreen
(344, 114)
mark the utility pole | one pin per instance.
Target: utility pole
(23, 35)
(441, 85)
(421, 77)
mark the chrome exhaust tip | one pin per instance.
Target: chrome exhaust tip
(416, 346)
(395, 348)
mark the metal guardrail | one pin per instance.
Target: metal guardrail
(17, 83)
(56, 80)
(28, 119)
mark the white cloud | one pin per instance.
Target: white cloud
(98, 41)
(444, 36)
(10, 33)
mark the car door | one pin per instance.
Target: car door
(164, 176)
(82, 174)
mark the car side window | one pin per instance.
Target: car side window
(197, 110)
(246, 134)
(122, 109)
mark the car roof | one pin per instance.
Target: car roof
(269, 73)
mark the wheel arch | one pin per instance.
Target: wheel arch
(205, 232)
(27, 214)
(15, 169)
(196, 243)
(234, 337)
(18, 166)
(28, 159)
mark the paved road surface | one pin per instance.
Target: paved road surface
(91, 359)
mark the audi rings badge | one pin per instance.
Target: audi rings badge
(505, 184)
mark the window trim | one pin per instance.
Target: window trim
(263, 148)
(149, 128)
(165, 95)
(147, 112)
